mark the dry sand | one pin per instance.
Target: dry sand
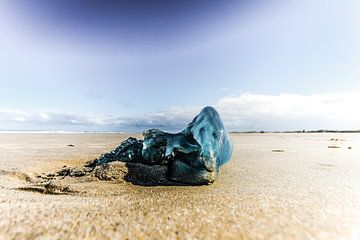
(277, 186)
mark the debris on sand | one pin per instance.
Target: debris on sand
(333, 146)
(47, 188)
(278, 150)
(73, 172)
(70, 145)
(337, 140)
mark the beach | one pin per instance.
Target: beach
(276, 186)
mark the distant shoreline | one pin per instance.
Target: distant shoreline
(60, 132)
(303, 131)
(122, 132)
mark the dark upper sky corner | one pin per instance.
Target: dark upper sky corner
(129, 21)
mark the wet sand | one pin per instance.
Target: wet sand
(277, 186)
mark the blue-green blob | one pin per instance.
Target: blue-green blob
(205, 146)
(193, 156)
(209, 131)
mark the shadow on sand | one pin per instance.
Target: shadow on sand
(135, 173)
(145, 175)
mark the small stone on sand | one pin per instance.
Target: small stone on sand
(278, 150)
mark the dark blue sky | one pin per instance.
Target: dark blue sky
(134, 23)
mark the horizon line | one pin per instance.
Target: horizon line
(234, 132)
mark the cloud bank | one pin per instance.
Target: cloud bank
(240, 112)
(291, 111)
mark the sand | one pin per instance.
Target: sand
(277, 186)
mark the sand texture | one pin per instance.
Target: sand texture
(277, 186)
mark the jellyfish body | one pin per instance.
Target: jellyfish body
(193, 156)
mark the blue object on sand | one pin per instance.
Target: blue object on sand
(193, 156)
(203, 147)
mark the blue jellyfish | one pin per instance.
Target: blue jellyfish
(193, 156)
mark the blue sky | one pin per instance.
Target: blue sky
(130, 65)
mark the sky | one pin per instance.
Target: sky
(130, 65)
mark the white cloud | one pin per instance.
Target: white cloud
(291, 111)
(45, 117)
(243, 111)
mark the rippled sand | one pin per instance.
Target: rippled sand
(277, 186)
